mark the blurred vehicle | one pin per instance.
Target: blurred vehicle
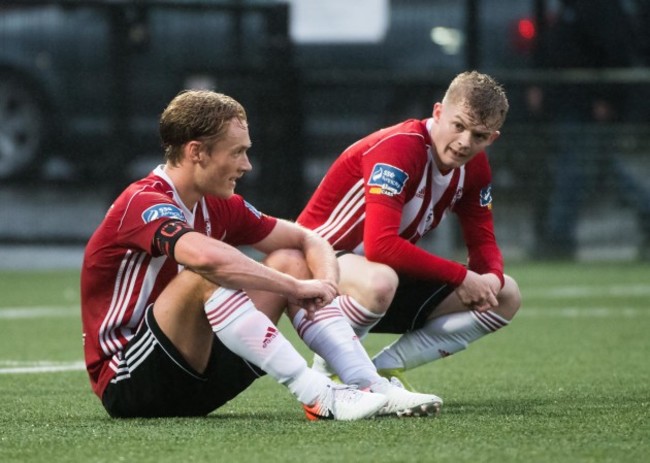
(351, 89)
(86, 80)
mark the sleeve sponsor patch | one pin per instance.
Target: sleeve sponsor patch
(485, 199)
(251, 208)
(163, 210)
(386, 179)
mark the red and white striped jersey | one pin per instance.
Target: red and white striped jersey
(385, 192)
(122, 273)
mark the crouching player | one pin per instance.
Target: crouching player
(388, 190)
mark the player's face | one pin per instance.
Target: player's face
(226, 162)
(457, 136)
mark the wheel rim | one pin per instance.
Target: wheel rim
(21, 127)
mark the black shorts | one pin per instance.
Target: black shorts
(155, 380)
(414, 301)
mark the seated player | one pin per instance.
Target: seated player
(177, 321)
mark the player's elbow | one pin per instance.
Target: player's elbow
(204, 261)
(385, 252)
(374, 252)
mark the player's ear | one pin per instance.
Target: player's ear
(192, 149)
(493, 136)
(437, 111)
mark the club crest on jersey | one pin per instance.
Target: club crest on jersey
(485, 199)
(387, 180)
(162, 210)
(251, 208)
(457, 195)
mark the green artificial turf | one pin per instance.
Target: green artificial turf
(568, 381)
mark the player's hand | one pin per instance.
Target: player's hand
(313, 295)
(479, 292)
(493, 281)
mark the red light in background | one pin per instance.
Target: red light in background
(526, 29)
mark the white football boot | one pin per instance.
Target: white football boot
(345, 403)
(404, 403)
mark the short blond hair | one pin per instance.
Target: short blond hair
(482, 95)
(200, 115)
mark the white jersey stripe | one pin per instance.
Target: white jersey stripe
(350, 198)
(124, 284)
(339, 214)
(358, 249)
(126, 290)
(106, 345)
(136, 193)
(123, 307)
(354, 208)
(113, 313)
(148, 282)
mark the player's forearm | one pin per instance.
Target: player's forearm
(321, 258)
(408, 259)
(241, 272)
(226, 266)
(383, 244)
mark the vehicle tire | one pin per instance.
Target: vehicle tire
(22, 126)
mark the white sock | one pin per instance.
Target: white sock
(361, 319)
(332, 337)
(440, 337)
(252, 335)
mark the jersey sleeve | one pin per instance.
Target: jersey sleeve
(142, 217)
(391, 174)
(383, 244)
(242, 223)
(390, 169)
(474, 211)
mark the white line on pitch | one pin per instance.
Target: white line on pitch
(38, 312)
(573, 292)
(14, 367)
(581, 312)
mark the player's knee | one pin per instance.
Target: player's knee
(381, 285)
(509, 298)
(289, 261)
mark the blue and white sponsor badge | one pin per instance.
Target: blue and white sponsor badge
(251, 208)
(163, 210)
(386, 179)
(485, 197)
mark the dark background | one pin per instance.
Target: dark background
(82, 84)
